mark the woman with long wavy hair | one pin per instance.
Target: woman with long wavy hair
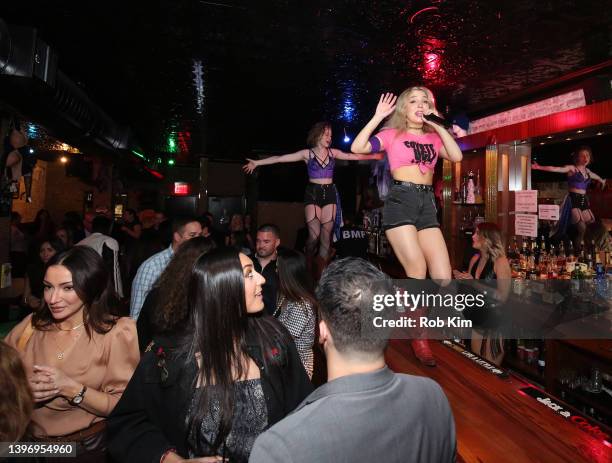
(79, 355)
(213, 390)
(165, 308)
(296, 307)
(490, 264)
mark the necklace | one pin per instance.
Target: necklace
(61, 352)
(70, 329)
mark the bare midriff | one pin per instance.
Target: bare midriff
(412, 174)
(321, 181)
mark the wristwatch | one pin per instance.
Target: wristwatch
(77, 399)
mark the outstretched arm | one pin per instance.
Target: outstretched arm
(597, 177)
(568, 169)
(293, 157)
(386, 105)
(356, 157)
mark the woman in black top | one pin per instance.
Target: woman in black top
(35, 272)
(491, 264)
(235, 373)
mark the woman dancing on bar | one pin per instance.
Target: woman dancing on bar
(575, 209)
(413, 145)
(321, 199)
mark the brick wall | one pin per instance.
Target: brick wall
(54, 191)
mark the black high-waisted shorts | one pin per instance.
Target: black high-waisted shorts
(320, 195)
(579, 201)
(410, 204)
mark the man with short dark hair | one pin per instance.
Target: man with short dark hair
(106, 246)
(365, 412)
(183, 229)
(267, 242)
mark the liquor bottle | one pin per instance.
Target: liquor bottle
(478, 190)
(561, 257)
(524, 256)
(513, 251)
(571, 254)
(590, 267)
(464, 190)
(536, 251)
(532, 270)
(542, 358)
(582, 252)
(471, 197)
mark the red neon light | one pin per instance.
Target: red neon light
(181, 188)
(154, 173)
(429, 8)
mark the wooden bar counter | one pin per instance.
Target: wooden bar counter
(495, 421)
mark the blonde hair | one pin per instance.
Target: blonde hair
(397, 119)
(491, 237)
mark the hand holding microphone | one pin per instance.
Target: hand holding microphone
(429, 118)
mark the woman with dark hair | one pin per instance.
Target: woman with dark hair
(66, 235)
(296, 306)
(233, 373)
(35, 272)
(165, 308)
(491, 265)
(15, 396)
(43, 227)
(321, 200)
(575, 209)
(78, 354)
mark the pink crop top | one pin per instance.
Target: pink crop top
(407, 149)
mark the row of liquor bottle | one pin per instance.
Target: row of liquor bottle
(538, 259)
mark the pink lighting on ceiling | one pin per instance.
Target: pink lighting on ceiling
(421, 11)
(432, 50)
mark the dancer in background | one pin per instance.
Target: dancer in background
(413, 145)
(321, 199)
(575, 209)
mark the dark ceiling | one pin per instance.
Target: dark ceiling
(272, 68)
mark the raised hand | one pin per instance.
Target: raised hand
(250, 166)
(386, 105)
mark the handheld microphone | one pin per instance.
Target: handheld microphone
(438, 120)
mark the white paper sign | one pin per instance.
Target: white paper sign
(526, 201)
(556, 104)
(526, 225)
(549, 211)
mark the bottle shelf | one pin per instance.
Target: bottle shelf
(601, 402)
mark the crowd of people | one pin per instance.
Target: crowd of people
(214, 352)
(173, 340)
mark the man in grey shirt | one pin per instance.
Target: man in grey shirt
(365, 412)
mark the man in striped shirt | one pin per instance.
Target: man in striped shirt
(183, 229)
